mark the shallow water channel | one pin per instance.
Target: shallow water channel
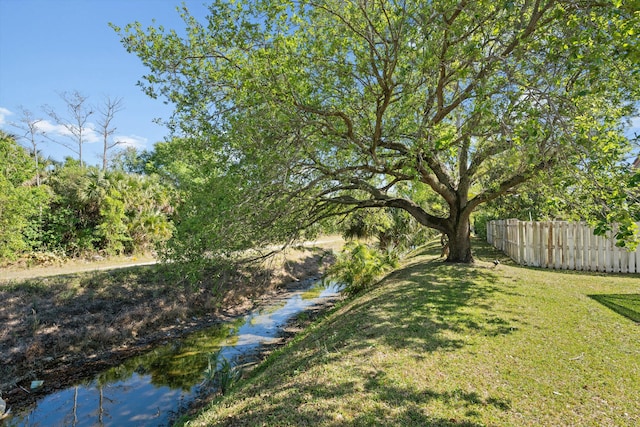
(151, 389)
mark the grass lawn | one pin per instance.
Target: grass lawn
(455, 345)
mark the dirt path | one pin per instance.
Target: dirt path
(72, 267)
(18, 273)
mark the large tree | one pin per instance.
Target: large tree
(313, 108)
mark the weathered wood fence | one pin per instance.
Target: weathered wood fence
(561, 245)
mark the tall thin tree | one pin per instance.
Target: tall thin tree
(76, 123)
(32, 134)
(107, 111)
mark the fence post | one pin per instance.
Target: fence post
(615, 252)
(634, 261)
(512, 240)
(557, 245)
(611, 253)
(602, 259)
(579, 245)
(522, 243)
(537, 244)
(624, 260)
(562, 245)
(543, 245)
(593, 249)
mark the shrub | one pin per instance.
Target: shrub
(360, 266)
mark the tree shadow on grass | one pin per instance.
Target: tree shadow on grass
(627, 305)
(382, 402)
(413, 414)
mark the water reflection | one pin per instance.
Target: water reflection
(149, 389)
(178, 365)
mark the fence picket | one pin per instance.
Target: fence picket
(593, 255)
(571, 246)
(580, 246)
(624, 261)
(603, 261)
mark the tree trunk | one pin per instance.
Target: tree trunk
(460, 242)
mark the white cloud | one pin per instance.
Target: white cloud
(3, 115)
(48, 128)
(54, 130)
(131, 141)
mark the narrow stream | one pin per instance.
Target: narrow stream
(149, 390)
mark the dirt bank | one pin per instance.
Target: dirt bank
(62, 329)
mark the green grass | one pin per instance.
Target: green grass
(454, 345)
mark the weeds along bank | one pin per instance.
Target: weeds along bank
(446, 344)
(61, 329)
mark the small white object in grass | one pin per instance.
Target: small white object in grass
(36, 384)
(4, 412)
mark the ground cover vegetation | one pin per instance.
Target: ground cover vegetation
(295, 111)
(444, 344)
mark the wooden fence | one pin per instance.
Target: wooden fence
(561, 245)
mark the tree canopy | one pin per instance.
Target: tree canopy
(298, 110)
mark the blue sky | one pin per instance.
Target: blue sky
(52, 46)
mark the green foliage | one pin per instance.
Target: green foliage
(394, 229)
(610, 204)
(224, 212)
(359, 266)
(79, 210)
(21, 203)
(129, 160)
(303, 110)
(15, 163)
(480, 220)
(112, 229)
(617, 206)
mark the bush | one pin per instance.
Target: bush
(360, 266)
